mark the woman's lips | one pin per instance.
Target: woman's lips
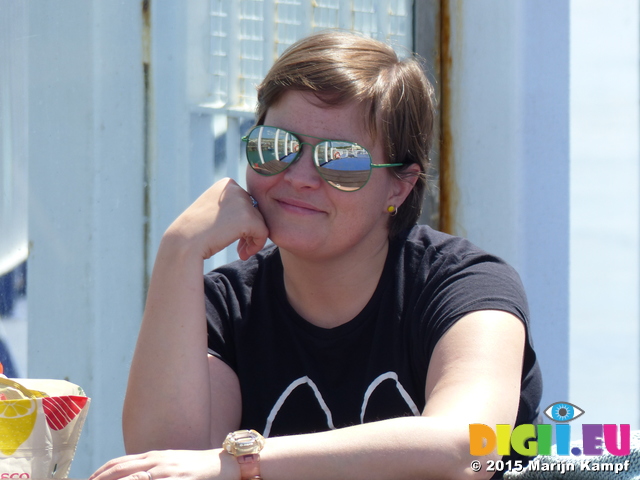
(297, 206)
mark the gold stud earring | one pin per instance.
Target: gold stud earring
(393, 211)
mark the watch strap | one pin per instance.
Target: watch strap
(249, 466)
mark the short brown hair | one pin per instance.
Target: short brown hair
(340, 67)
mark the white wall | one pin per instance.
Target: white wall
(509, 120)
(13, 131)
(605, 214)
(86, 181)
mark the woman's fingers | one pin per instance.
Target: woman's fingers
(220, 216)
(131, 466)
(255, 237)
(250, 245)
(170, 464)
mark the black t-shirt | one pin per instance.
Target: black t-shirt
(296, 377)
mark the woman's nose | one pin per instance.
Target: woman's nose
(303, 172)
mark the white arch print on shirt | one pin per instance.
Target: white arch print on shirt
(306, 380)
(388, 376)
(295, 384)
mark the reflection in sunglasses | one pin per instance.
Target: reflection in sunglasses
(344, 165)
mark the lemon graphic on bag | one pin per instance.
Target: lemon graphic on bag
(17, 419)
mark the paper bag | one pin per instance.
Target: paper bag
(38, 436)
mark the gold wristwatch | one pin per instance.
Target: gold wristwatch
(245, 445)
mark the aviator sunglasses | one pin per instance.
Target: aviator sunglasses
(343, 165)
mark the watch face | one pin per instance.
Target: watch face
(243, 442)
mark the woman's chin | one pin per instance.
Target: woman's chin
(301, 245)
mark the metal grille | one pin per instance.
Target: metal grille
(219, 65)
(247, 36)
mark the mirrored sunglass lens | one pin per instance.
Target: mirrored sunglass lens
(345, 165)
(271, 150)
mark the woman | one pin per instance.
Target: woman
(360, 345)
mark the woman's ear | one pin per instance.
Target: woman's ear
(404, 181)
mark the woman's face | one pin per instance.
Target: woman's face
(305, 215)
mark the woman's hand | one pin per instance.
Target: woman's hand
(220, 216)
(171, 464)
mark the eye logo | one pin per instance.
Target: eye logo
(563, 412)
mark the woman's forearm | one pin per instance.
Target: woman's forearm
(167, 402)
(400, 448)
